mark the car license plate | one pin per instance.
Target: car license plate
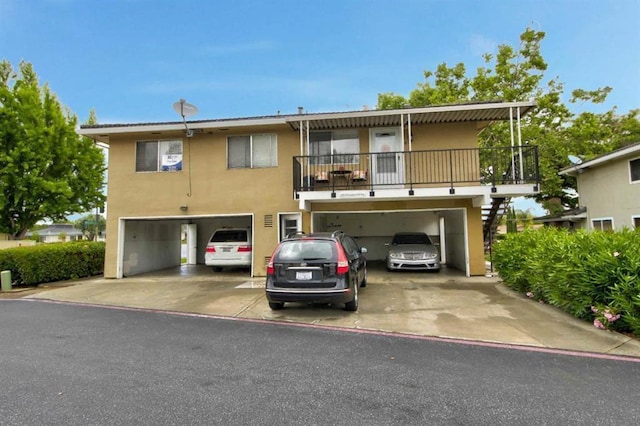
(304, 275)
(226, 249)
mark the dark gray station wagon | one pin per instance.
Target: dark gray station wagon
(316, 268)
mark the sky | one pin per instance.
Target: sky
(130, 60)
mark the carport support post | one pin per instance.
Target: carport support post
(5, 276)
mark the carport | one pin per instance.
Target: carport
(147, 244)
(373, 229)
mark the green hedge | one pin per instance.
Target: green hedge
(594, 276)
(53, 262)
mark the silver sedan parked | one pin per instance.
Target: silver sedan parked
(412, 250)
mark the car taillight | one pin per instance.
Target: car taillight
(270, 269)
(244, 248)
(343, 263)
(211, 249)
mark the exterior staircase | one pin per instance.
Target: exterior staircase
(491, 215)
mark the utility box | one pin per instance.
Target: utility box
(5, 276)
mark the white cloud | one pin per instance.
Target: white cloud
(480, 45)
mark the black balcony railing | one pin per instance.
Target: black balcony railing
(417, 169)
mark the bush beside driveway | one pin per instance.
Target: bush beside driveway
(594, 276)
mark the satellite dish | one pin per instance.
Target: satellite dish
(575, 160)
(184, 108)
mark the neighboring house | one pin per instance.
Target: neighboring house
(369, 173)
(58, 232)
(569, 219)
(609, 189)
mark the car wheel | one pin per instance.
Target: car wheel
(352, 306)
(217, 268)
(364, 280)
(276, 306)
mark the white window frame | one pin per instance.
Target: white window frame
(170, 164)
(602, 220)
(630, 174)
(316, 159)
(288, 216)
(274, 142)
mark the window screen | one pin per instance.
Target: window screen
(253, 151)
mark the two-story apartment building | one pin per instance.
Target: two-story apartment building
(609, 189)
(369, 173)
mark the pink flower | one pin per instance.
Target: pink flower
(608, 315)
(529, 294)
(598, 324)
(594, 309)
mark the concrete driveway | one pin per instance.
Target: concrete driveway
(446, 305)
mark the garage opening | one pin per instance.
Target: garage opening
(154, 244)
(446, 228)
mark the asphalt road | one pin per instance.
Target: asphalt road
(72, 365)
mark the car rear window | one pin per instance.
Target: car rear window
(411, 239)
(306, 250)
(229, 236)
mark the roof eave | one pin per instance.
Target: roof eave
(578, 168)
(102, 133)
(430, 109)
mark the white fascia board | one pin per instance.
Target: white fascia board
(179, 126)
(574, 170)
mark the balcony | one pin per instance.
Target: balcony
(488, 172)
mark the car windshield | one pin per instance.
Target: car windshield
(230, 236)
(300, 250)
(411, 239)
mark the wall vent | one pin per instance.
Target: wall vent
(268, 221)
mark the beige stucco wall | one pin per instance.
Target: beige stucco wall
(207, 187)
(607, 192)
(214, 188)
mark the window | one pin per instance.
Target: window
(602, 224)
(341, 143)
(636, 222)
(159, 156)
(252, 151)
(634, 170)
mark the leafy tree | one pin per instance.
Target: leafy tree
(91, 225)
(517, 75)
(46, 170)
